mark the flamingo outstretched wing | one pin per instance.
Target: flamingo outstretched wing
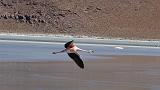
(77, 59)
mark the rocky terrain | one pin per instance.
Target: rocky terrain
(133, 19)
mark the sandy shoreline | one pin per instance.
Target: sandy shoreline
(120, 73)
(78, 39)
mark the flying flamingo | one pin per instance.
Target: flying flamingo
(71, 50)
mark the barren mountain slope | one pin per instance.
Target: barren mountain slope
(134, 19)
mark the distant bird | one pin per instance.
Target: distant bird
(118, 47)
(71, 50)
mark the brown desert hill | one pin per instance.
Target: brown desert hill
(133, 19)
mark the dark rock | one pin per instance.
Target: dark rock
(42, 21)
(135, 9)
(29, 22)
(33, 16)
(4, 4)
(5, 17)
(27, 17)
(63, 15)
(10, 16)
(98, 8)
(20, 17)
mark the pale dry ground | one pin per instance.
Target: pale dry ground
(120, 73)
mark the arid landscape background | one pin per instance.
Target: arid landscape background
(133, 19)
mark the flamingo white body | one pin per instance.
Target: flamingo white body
(71, 50)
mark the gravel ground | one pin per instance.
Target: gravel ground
(131, 19)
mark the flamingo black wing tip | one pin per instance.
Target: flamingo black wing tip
(82, 67)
